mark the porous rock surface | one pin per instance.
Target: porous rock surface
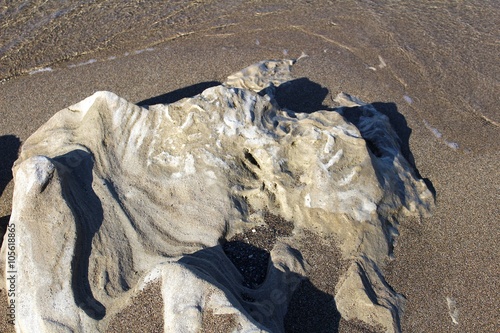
(110, 197)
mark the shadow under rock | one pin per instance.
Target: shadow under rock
(251, 261)
(4, 222)
(308, 310)
(179, 94)
(311, 310)
(301, 95)
(9, 149)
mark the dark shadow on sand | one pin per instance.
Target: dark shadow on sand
(9, 149)
(308, 310)
(4, 222)
(301, 95)
(311, 310)
(251, 261)
(179, 94)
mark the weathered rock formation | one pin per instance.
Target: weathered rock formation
(111, 197)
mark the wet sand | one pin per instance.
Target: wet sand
(433, 69)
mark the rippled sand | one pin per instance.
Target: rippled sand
(433, 67)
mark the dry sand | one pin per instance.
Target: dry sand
(432, 68)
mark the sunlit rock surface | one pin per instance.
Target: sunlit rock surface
(110, 197)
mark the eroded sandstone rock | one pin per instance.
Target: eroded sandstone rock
(110, 196)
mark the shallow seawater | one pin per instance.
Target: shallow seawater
(38, 34)
(446, 43)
